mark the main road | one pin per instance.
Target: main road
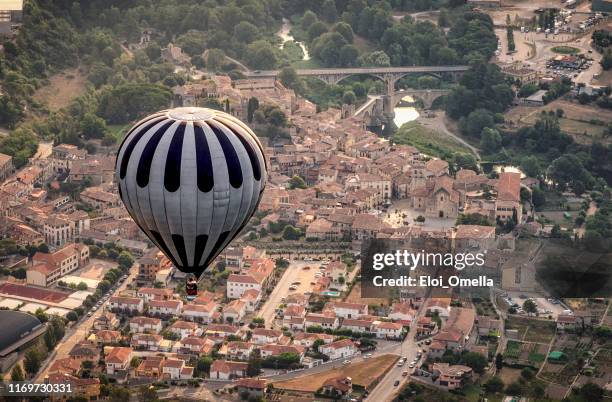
(386, 390)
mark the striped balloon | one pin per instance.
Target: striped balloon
(191, 178)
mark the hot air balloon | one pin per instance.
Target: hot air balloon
(191, 178)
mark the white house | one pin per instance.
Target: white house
(165, 307)
(321, 320)
(357, 325)
(149, 294)
(184, 329)
(339, 349)
(204, 313)
(145, 325)
(402, 312)
(146, 341)
(237, 284)
(133, 304)
(175, 369)
(384, 329)
(118, 360)
(238, 350)
(263, 336)
(349, 310)
(227, 370)
(234, 311)
(566, 322)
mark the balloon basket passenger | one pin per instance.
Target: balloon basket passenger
(191, 288)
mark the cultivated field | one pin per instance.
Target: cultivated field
(363, 373)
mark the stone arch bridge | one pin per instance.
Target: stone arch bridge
(389, 75)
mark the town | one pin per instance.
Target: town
(498, 166)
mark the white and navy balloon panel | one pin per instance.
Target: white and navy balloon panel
(191, 178)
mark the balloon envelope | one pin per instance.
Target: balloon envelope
(191, 178)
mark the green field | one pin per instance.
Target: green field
(428, 141)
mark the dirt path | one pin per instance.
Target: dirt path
(437, 123)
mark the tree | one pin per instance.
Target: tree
(17, 373)
(308, 19)
(214, 58)
(254, 363)
(591, 392)
(203, 365)
(349, 98)
(475, 360)
(82, 286)
(494, 385)
(246, 32)
(315, 30)
(477, 121)
(490, 140)
(291, 233)
(348, 56)
(297, 182)
(253, 105)
(345, 30)
(531, 166)
(32, 361)
(606, 60)
(377, 58)
(147, 393)
(125, 260)
(514, 389)
(72, 316)
(473, 219)
(135, 362)
(530, 307)
(328, 11)
(327, 47)
(93, 126)
(499, 361)
(261, 55)
(527, 373)
(289, 78)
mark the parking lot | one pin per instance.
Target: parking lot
(546, 306)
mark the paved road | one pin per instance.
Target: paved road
(79, 331)
(385, 390)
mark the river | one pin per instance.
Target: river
(405, 114)
(285, 34)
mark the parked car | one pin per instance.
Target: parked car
(396, 383)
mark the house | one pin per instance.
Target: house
(487, 326)
(65, 366)
(234, 311)
(321, 320)
(150, 367)
(436, 349)
(254, 387)
(425, 326)
(6, 166)
(47, 268)
(123, 303)
(204, 313)
(118, 360)
(237, 350)
(508, 202)
(337, 387)
(145, 325)
(107, 337)
(263, 336)
(222, 330)
(251, 299)
(293, 311)
(277, 350)
(348, 310)
(451, 376)
(227, 370)
(339, 349)
(402, 312)
(357, 325)
(184, 329)
(385, 329)
(84, 351)
(106, 320)
(175, 369)
(87, 388)
(566, 322)
(452, 339)
(146, 341)
(193, 345)
(237, 284)
(307, 339)
(149, 294)
(165, 307)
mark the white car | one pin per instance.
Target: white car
(346, 362)
(293, 287)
